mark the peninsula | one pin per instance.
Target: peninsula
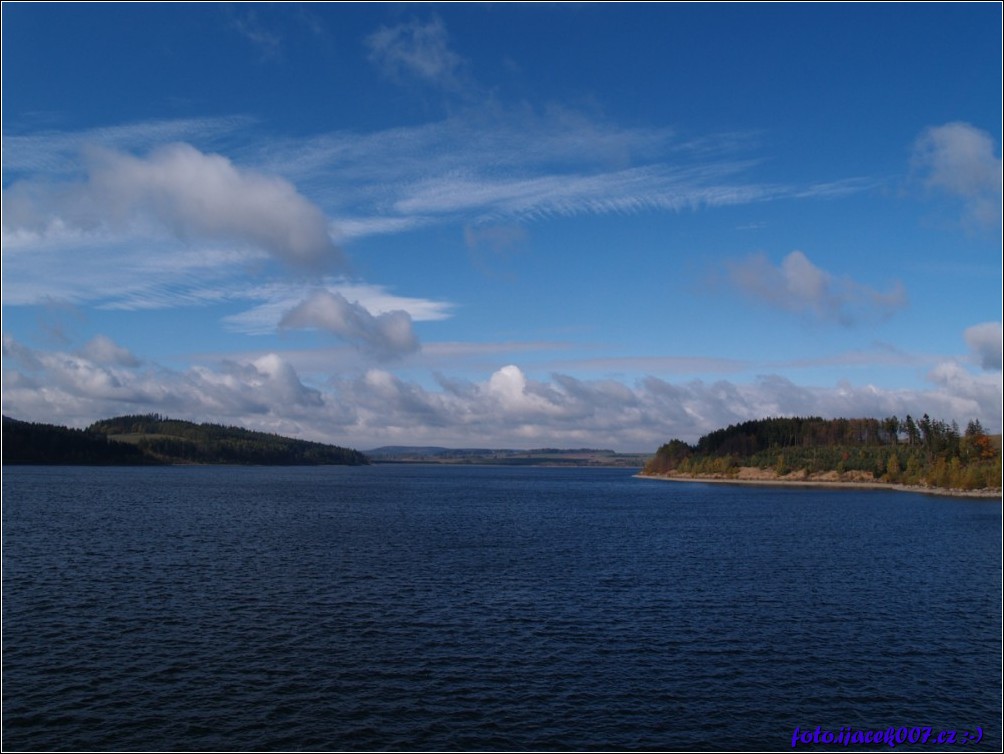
(925, 455)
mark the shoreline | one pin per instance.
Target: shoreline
(984, 494)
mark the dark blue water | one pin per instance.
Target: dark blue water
(398, 607)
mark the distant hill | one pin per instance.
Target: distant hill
(394, 451)
(505, 456)
(152, 439)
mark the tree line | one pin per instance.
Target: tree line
(921, 451)
(155, 439)
(32, 443)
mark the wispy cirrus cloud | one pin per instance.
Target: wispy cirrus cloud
(487, 164)
(57, 154)
(799, 286)
(249, 25)
(619, 192)
(499, 166)
(384, 167)
(416, 51)
(114, 277)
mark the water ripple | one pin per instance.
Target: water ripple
(484, 609)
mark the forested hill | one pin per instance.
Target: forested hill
(923, 452)
(28, 442)
(154, 439)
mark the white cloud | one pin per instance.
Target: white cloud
(249, 25)
(480, 166)
(103, 350)
(386, 335)
(959, 159)
(799, 286)
(985, 341)
(191, 194)
(568, 194)
(56, 154)
(57, 380)
(359, 227)
(280, 298)
(112, 275)
(416, 51)
(980, 394)
(505, 409)
(265, 386)
(279, 379)
(76, 389)
(500, 166)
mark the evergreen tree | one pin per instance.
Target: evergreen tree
(934, 453)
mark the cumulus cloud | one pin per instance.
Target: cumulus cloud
(507, 408)
(191, 194)
(103, 350)
(77, 389)
(981, 392)
(985, 341)
(799, 286)
(958, 159)
(386, 335)
(61, 381)
(279, 298)
(275, 377)
(513, 410)
(416, 50)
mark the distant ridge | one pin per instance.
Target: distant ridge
(505, 456)
(151, 439)
(415, 450)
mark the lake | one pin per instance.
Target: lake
(487, 608)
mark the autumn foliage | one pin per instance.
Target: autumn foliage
(922, 452)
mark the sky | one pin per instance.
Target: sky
(501, 225)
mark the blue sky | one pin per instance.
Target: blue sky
(600, 225)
